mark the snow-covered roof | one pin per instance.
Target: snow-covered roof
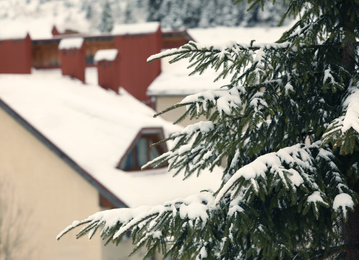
(95, 127)
(219, 35)
(11, 33)
(138, 28)
(17, 29)
(71, 43)
(174, 80)
(109, 55)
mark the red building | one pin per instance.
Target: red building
(15, 55)
(73, 58)
(135, 74)
(45, 52)
(108, 68)
(175, 39)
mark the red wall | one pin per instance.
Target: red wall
(73, 63)
(108, 74)
(15, 56)
(135, 73)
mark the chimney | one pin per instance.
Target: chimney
(54, 31)
(135, 43)
(16, 54)
(108, 69)
(72, 57)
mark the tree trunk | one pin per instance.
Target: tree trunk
(351, 227)
(351, 234)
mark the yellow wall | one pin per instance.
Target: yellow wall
(164, 102)
(121, 252)
(50, 193)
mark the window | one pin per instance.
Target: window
(141, 151)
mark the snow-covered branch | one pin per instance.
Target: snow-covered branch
(221, 50)
(115, 223)
(291, 168)
(343, 132)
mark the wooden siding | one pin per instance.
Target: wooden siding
(108, 74)
(94, 44)
(135, 73)
(175, 39)
(73, 63)
(15, 56)
(45, 54)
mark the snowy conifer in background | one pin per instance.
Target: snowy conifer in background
(287, 126)
(107, 22)
(208, 13)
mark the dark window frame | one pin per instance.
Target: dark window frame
(151, 135)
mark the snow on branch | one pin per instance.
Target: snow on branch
(288, 168)
(221, 49)
(228, 59)
(343, 201)
(343, 132)
(117, 222)
(351, 118)
(297, 157)
(189, 146)
(223, 99)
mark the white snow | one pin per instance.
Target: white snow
(138, 28)
(95, 127)
(37, 28)
(295, 155)
(193, 207)
(173, 80)
(220, 35)
(38, 17)
(109, 55)
(202, 126)
(315, 197)
(343, 201)
(71, 43)
(351, 119)
(7, 33)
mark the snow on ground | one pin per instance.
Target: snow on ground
(91, 76)
(95, 127)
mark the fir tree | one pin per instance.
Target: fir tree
(287, 126)
(153, 7)
(129, 13)
(208, 13)
(107, 22)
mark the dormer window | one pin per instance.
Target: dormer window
(141, 152)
